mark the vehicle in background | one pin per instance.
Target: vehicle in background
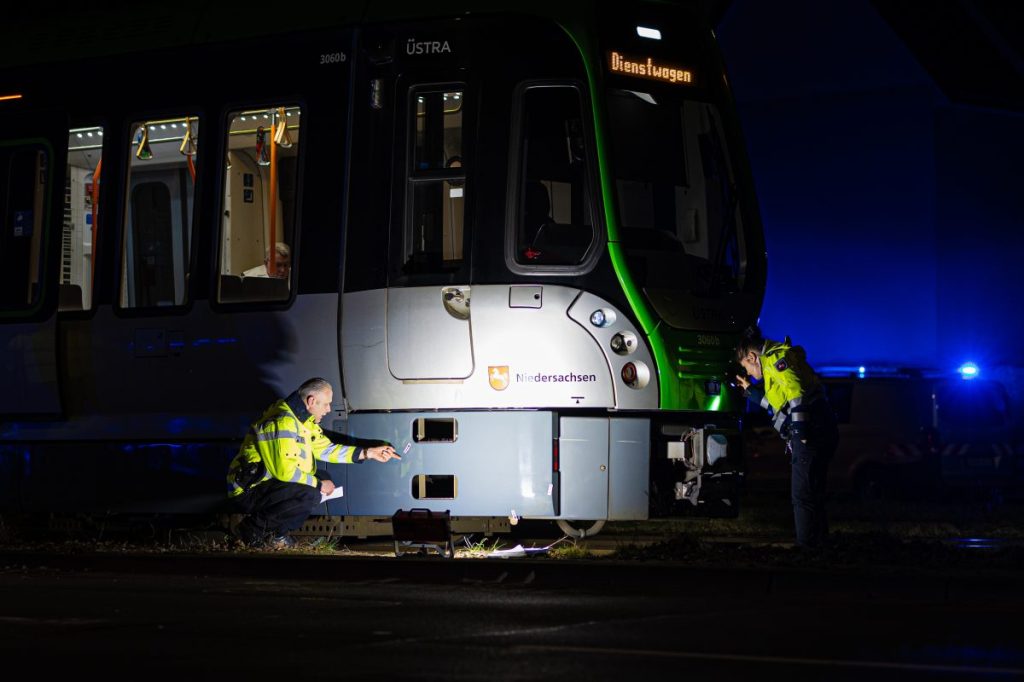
(907, 434)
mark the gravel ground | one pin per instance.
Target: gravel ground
(971, 537)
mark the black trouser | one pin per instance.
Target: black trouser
(812, 444)
(278, 507)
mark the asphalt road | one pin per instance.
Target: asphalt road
(270, 616)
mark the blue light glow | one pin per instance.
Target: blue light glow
(978, 543)
(911, 233)
(968, 370)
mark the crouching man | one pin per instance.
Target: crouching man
(274, 478)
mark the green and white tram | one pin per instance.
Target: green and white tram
(520, 243)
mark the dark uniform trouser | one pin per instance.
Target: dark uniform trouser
(813, 443)
(278, 507)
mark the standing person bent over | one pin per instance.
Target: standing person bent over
(793, 395)
(274, 477)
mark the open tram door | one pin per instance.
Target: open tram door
(32, 161)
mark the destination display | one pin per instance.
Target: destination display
(648, 67)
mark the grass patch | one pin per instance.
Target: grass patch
(570, 550)
(477, 550)
(323, 545)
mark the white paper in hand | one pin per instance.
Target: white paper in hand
(337, 493)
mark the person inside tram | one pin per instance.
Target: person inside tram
(282, 263)
(275, 479)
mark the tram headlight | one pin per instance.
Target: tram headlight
(602, 317)
(629, 373)
(623, 343)
(635, 374)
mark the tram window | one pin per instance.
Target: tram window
(554, 225)
(23, 179)
(681, 219)
(436, 194)
(81, 206)
(259, 204)
(438, 121)
(158, 216)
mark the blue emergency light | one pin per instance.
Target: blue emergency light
(968, 370)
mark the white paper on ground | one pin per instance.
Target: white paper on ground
(518, 551)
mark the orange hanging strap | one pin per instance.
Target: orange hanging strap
(95, 214)
(281, 137)
(144, 152)
(188, 148)
(272, 247)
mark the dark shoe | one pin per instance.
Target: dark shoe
(281, 542)
(248, 533)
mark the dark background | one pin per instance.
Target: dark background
(886, 141)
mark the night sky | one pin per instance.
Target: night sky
(893, 209)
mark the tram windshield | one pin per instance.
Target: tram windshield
(680, 221)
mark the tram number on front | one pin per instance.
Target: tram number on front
(708, 340)
(332, 58)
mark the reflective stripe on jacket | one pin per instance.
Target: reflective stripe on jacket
(789, 382)
(288, 447)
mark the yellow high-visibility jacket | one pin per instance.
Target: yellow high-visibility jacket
(789, 382)
(288, 444)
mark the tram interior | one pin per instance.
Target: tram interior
(156, 251)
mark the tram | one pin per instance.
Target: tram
(520, 243)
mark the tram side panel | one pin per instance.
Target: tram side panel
(523, 357)
(502, 463)
(532, 355)
(494, 464)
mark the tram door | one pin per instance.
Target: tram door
(155, 233)
(429, 319)
(31, 191)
